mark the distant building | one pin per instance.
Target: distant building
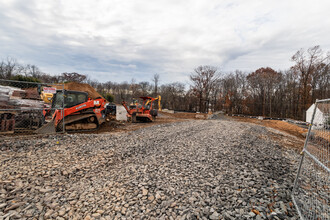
(322, 114)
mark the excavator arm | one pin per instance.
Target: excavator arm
(125, 106)
(159, 98)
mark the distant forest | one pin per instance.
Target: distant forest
(264, 92)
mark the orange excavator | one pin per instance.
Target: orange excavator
(141, 113)
(80, 113)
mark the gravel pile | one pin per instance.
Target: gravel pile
(189, 170)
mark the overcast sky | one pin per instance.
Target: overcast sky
(121, 40)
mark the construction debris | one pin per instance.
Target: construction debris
(16, 98)
(19, 108)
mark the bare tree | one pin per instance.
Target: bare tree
(232, 93)
(144, 88)
(155, 79)
(262, 83)
(134, 87)
(307, 65)
(73, 77)
(203, 80)
(32, 70)
(173, 96)
(8, 68)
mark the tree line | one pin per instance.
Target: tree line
(263, 92)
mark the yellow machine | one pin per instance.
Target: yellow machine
(46, 97)
(159, 105)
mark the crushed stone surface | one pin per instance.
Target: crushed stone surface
(202, 169)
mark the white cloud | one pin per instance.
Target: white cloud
(126, 39)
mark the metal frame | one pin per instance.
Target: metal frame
(311, 156)
(322, 100)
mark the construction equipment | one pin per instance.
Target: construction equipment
(80, 112)
(143, 113)
(46, 97)
(159, 98)
(159, 105)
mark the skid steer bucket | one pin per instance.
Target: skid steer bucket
(46, 129)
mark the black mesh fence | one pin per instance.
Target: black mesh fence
(29, 107)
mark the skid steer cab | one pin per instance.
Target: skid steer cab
(80, 113)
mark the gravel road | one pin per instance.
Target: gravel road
(206, 169)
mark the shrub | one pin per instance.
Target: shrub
(24, 79)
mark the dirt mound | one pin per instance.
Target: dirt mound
(279, 125)
(287, 127)
(83, 87)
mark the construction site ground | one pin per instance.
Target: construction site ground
(176, 168)
(284, 126)
(289, 135)
(163, 118)
(286, 134)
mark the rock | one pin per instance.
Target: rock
(283, 207)
(39, 206)
(228, 215)
(73, 202)
(214, 216)
(96, 215)
(272, 215)
(194, 169)
(87, 217)
(158, 197)
(45, 190)
(252, 214)
(123, 211)
(62, 212)
(100, 211)
(263, 216)
(144, 192)
(14, 206)
(173, 204)
(48, 213)
(30, 213)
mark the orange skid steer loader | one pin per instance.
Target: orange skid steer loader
(79, 112)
